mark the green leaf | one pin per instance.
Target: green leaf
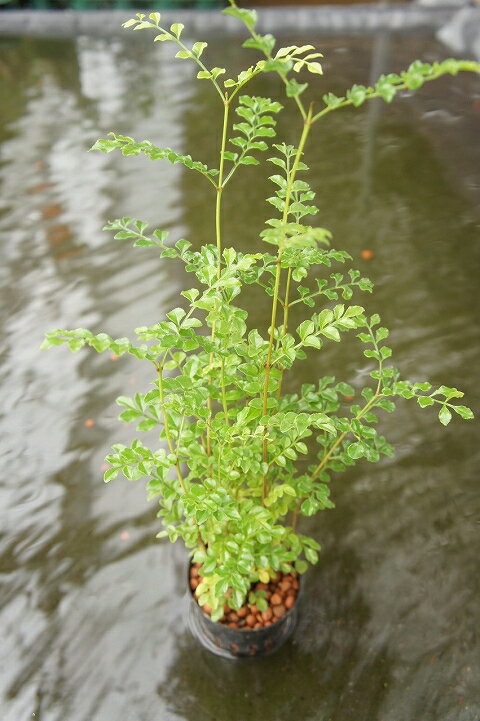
(464, 412)
(331, 332)
(191, 295)
(413, 81)
(217, 71)
(311, 555)
(332, 101)
(305, 329)
(424, 401)
(315, 68)
(198, 48)
(264, 43)
(248, 160)
(295, 89)
(301, 566)
(110, 474)
(143, 25)
(345, 389)
(357, 94)
(177, 29)
(129, 23)
(444, 416)
(385, 89)
(248, 17)
(176, 315)
(312, 341)
(356, 450)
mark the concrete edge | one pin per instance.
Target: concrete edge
(327, 18)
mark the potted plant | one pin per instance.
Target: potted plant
(229, 473)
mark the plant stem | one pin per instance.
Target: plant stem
(195, 60)
(224, 393)
(285, 324)
(268, 366)
(372, 94)
(218, 233)
(295, 514)
(288, 195)
(329, 453)
(284, 78)
(218, 207)
(340, 438)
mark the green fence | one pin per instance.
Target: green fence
(110, 4)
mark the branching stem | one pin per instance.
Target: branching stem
(340, 438)
(218, 233)
(286, 307)
(288, 196)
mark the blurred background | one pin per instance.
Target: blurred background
(157, 4)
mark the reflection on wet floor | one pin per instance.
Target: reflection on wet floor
(90, 603)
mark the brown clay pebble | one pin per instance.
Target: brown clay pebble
(233, 625)
(250, 620)
(259, 618)
(268, 623)
(279, 611)
(261, 587)
(295, 584)
(285, 586)
(276, 599)
(242, 612)
(194, 583)
(268, 595)
(289, 602)
(207, 609)
(194, 572)
(232, 616)
(258, 625)
(241, 623)
(267, 615)
(253, 609)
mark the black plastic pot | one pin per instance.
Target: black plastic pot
(237, 643)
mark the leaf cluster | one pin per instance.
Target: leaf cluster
(231, 459)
